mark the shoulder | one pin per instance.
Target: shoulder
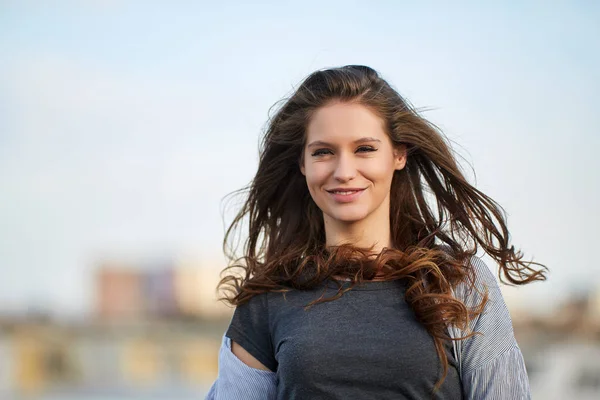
(258, 301)
(250, 328)
(479, 283)
(254, 312)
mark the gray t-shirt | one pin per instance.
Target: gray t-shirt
(367, 344)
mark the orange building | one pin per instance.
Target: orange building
(119, 292)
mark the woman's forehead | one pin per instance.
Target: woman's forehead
(344, 122)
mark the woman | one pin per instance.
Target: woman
(352, 285)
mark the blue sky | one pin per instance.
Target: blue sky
(124, 124)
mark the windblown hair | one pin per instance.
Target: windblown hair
(433, 239)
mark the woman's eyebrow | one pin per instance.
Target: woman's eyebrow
(358, 141)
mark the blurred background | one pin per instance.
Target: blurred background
(123, 124)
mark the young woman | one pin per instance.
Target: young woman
(359, 277)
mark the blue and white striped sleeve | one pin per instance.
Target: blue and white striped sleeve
(491, 364)
(238, 381)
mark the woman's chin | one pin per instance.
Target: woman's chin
(348, 218)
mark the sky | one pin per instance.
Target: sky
(124, 124)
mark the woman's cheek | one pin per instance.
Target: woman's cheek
(318, 175)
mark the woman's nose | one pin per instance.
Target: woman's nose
(345, 169)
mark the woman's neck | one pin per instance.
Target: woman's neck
(372, 232)
(365, 234)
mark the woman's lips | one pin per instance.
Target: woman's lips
(346, 196)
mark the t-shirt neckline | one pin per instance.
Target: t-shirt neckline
(367, 285)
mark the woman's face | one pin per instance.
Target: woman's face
(349, 162)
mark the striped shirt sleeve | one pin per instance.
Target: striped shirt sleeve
(491, 364)
(238, 381)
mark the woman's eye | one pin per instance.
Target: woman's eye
(364, 149)
(321, 152)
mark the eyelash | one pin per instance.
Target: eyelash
(366, 149)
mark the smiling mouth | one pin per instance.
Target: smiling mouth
(345, 195)
(345, 192)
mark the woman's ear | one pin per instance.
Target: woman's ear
(400, 156)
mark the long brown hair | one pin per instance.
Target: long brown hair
(433, 237)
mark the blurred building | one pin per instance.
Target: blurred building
(567, 370)
(160, 290)
(93, 357)
(119, 292)
(159, 297)
(7, 360)
(594, 308)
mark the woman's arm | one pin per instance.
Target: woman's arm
(246, 357)
(239, 381)
(503, 377)
(491, 364)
